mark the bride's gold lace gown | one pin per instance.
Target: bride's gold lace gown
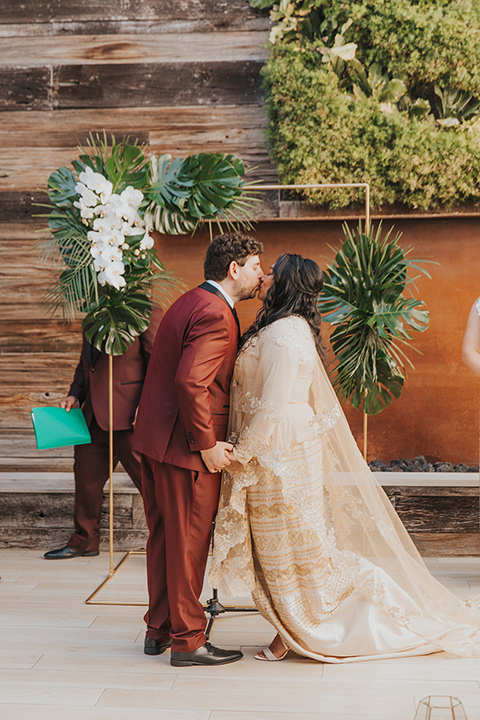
(305, 526)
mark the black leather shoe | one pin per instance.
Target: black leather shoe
(155, 647)
(206, 655)
(65, 553)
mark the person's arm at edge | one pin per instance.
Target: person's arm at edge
(471, 342)
(76, 394)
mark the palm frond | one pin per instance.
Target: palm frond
(373, 321)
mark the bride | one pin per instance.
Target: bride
(302, 522)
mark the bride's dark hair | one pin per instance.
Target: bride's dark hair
(297, 284)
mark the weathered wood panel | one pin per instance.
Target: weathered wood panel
(111, 85)
(42, 539)
(134, 85)
(126, 49)
(439, 514)
(19, 206)
(21, 445)
(25, 88)
(64, 128)
(43, 336)
(446, 544)
(26, 162)
(57, 15)
(41, 510)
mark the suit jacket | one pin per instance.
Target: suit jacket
(186, 395)
(90, 382)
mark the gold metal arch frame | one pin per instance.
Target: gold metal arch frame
(112, 568)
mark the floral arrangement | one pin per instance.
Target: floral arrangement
(114, 219)
(101, 218)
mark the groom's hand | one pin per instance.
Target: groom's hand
(217, 457)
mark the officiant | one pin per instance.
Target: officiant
(89, 390)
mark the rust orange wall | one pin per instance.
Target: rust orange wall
(437, 414)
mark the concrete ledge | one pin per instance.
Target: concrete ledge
(427, 479)
(12, 481)
(55, 482)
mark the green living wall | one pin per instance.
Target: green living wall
(384, 92)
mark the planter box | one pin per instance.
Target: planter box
(439, 510)
(36, 511)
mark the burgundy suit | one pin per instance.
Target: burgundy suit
(91, 464)
(183, 409)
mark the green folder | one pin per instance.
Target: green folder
(55, 427)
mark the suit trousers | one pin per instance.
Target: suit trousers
(91, 470)
(180, 506)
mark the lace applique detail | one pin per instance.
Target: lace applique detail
(290, 340)
(252, 404)
(477, 305)
(325, 422)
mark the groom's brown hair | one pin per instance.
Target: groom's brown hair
(227, 248)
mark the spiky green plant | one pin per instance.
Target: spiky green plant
(176, 196)
(363, 298)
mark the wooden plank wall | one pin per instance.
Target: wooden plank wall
(183, 76)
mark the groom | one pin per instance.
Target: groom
(180, 432)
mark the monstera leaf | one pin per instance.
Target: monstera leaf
(189, 191)
(116, 320)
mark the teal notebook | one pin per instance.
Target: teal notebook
(55, 427)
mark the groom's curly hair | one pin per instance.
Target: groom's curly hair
(297, 284)
(227, 248)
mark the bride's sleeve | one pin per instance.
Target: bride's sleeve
(265, 403)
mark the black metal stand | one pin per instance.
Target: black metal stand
(214, 607)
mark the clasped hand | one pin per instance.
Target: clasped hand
(218, 457)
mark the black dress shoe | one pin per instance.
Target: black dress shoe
(155, 647)
(206, 655)
(65, 553)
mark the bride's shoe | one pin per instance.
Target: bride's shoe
(269, 655)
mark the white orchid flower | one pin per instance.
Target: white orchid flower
(113, 274)
(96, 250)
(87, 196)
(87, 177)
(129, 229)
(93, 236)
(102, 225)
(113, 221)
(85, 212)
(131, 196)
(101, 276)
(116, 238)
(109, 253)
(147, 242)
(115, 205)
(131, 216)
(99, 264)
(105, 190)
(94, 180)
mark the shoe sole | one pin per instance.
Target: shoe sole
(155, 651)
(189, 663)
(70, 557)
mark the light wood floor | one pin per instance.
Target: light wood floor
(61, 659)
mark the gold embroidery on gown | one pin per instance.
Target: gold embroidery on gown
(305, 526)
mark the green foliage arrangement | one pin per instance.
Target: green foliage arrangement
(363, 298)
(100, 216)
(384, 92)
